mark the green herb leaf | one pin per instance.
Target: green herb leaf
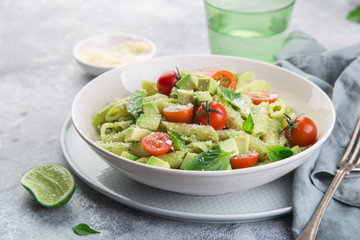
(134, 105)
(179, 143)
(354, 15)
(248, 124)
(231, 96)
(278, 152)
(174, 93)
(83, 229)
(210, 161)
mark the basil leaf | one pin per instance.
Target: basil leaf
(248, 124)
(83, 229)
(174, 93)
(354, 15)
(179, 143)
(278, 152)
(231, 96)
(210, 161)
(134, 105)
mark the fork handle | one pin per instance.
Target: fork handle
(309, 232)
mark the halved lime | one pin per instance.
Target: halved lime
(51, 184)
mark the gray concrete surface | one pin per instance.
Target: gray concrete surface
(39, 80)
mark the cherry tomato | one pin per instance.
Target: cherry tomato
(179, 113)
(166, 82)
(157, 143)
(258, 96)
(209, 71)
(301, 131)
(217, 120)
(226, 79)
(244, 160)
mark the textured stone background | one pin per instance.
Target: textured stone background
(39, 79)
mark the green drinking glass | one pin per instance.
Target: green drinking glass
(253, 29)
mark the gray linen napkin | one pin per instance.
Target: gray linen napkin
(338, 74)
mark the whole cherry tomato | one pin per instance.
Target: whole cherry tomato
(167, 81)
(213, 114)
(301, 131)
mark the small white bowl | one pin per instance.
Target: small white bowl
(304, 96)
(106, 41)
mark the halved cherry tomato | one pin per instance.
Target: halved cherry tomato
(217, 120)
(244, 160)
(167, 81)
(226, 79)
(179, 113)
(157, 143)
(208, 71)
(258, 96)
(301, 131)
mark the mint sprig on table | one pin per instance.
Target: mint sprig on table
(83, 229)
(354, 15)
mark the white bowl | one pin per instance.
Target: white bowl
(106, 41)
(304, 96)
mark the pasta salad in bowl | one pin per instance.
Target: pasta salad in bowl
(203, 125)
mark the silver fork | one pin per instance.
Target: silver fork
(345, 166)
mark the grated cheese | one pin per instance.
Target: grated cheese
(178, 107)
(130, 51)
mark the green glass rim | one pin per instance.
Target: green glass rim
(252, 12)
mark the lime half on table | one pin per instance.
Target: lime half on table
(51, 184)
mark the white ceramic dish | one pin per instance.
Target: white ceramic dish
(305, 97)
(105, 41)
(263, 202)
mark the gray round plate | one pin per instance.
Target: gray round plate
(264, 202)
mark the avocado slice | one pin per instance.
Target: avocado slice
(150, 108)
(296, 149)
(208, 84)
(148, 121)
(185, 96)
(242, 143)
(154, 161)
(229, 146)
(188, 157)
(174, 158)
(129, 156)
(136, 134)
(202, 96)
(188, 82)
(202, 146)
(142, 160)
